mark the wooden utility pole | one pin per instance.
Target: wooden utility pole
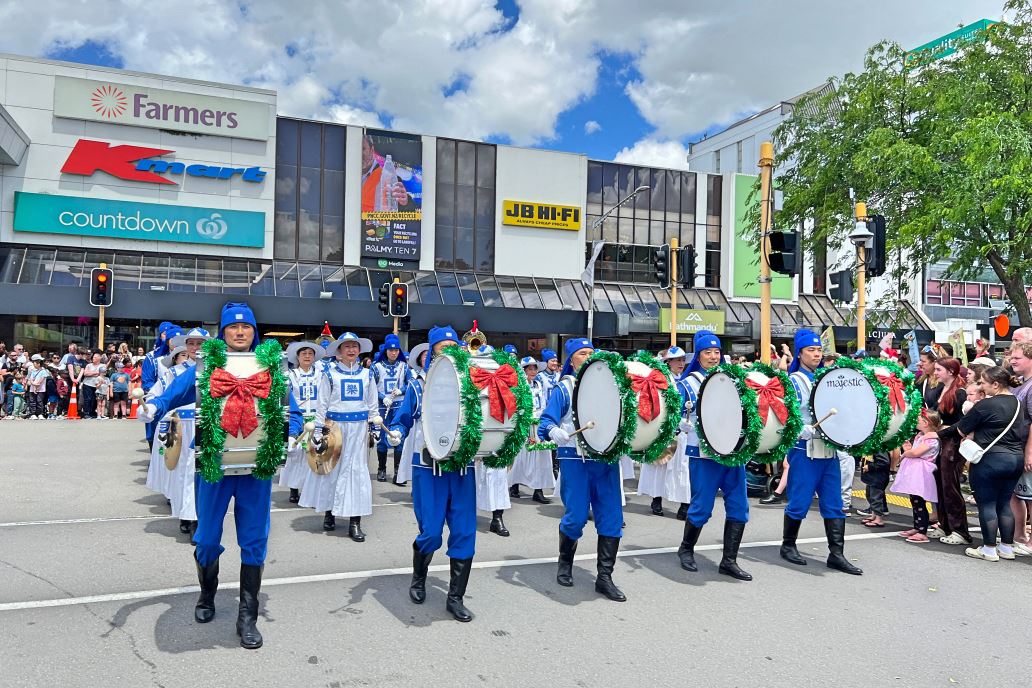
(673, 291)
(766, 172)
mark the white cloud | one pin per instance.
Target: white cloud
(649, 151)
(591, 126)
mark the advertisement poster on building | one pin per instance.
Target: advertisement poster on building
(392, 198)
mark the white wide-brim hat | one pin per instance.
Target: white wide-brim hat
(364, 345)
(171, 356)
(674, 352)
(294, 348)
(417, 351)
(195, 333)
(529, 361)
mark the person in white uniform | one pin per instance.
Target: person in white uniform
(346, 396)
(533, 468)
(416, 361)
(159, 478)
(492, 483)
(303, 378)
(181, 478)
(669, 480)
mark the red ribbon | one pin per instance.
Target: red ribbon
(238, 414)
(647, 387)
(499, 386)
(897, 402)
(771, 397)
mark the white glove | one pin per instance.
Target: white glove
(394, 438)
(376, 420)
(387, 401)
(807, 433)
(685, 425)
(291, 444)
(558, 435)
(147, 412)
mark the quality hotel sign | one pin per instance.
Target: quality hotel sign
(115, 103)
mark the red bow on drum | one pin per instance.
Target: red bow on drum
(499, 386)
(238, 416)
(897, 401)
(648, 387)
(770, 397)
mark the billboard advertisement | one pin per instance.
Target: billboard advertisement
(392, 198)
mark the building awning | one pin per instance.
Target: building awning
(13, 141)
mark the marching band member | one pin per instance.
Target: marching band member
(438, 497)
(346, 396)
(392, 376)
(303, 379)
(814, 467)
(533, 468)
(583, 482)
(416, 361)
(149, 370)
(183, 495)
(670, 480)
(159, 478)
(709, 476)
(493, 483)
(253, 496)
(549, 377)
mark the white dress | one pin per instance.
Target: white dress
(347, 396)
(159, 478)
(677, 486)
(184, 504)
(408, 446)
(492, 487)
(305, 389)
(534, 468)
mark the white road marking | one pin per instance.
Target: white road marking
(374, 573)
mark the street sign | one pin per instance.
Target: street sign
(691, 320)
(944, 46)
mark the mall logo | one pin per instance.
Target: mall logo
(109, 101)
(213, 227)
(139, 164)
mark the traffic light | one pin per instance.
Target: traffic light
(385, 299)
(661, 266)
(842, 286)
(405, 324)
(686, 266)
(784, 253)
(101, 286)
(876, 262)
(399, 300)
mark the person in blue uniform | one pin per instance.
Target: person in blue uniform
(708, 476)
(814, 467)
(583, 483)
(252, 497)
(392, 377)
(151, 369)
(438, 497)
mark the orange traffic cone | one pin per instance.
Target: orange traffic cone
(73, 406)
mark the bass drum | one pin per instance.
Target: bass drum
(722, 416)
(899, 403)
(850, 393)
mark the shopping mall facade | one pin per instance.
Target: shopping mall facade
(195, 193)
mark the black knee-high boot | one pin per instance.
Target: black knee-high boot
(835, 529)
(208, 579)
(686, 552)
(460, 569)
(497, 524)
(247, 618)
(381, 466)
(567, 548)
(788, 542)
(607, 549)
(420, 566)
(733, 531)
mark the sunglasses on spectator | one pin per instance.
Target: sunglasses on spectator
(930, 351)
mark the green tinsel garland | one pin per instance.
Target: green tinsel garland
(672, 402)
(753, 425)
(915, 402)
(628, 409)
(873, 443)
(269, 453)
(794, 424)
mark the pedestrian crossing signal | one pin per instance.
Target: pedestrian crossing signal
(101, 287)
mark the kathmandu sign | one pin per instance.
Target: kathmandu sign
(155, 108)
(98, 217)
(692, 320)
(138, 164)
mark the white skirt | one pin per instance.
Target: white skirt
(678, 485)
(184, 506)
(405, 467)
(293, 472)
(626, 473)
(159, 478)
(533, 469)
(652, 479)
(348, 490)
(492, 487)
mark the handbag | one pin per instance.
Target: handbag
(973, 452)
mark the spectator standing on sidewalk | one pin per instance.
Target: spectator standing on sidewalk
(119, 392)
(37, 388)
(88, 386)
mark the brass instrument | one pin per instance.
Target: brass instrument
(474, 338)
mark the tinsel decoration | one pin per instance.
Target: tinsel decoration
(872, 444)
(270, 450)
(628, 409)
(753, 425)
(794, 424)
(672, 402)
(913, 398)
(542, 446)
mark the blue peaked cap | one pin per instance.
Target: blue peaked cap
(703, 339)
(436, 336)
(238, 313)
(571, 347)
(803, 339)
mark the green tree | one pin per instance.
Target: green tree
(943, 149)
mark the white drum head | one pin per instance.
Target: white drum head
(720, 413)
(849, 392)
(442, 408)
(597, 397)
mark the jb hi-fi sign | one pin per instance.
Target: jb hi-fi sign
(144, 164)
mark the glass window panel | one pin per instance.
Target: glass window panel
(357, 280)
(127, 271)
(449, 288)
(630, 295)
(68, 268)
(713, 269)
(528, 292)
(311, 144)
(713, 189)
(445, 162)
(657, 193)
(332, 239)
(235, 279)
(485, 218)
(572, 294)
(333, 192)
(489, 290)
(610, 185)
(592, 233)
(286, 278)
(463, 248)
(181, 274)
(549, 294)
(285, 228)
(36, 266)
(311, 280)
(464, 197)
(333, 281)
(209, 275)
(713, 234)
(333, 146)
(426, 285)
(286, 142)
(444, 246)
(606, 265)
(466, 169)
(626, 185)
(609, 229)
(602, 304)
(445, 212)
(648, 302)
(95, 258)
(995, 291)
(510, 294)
(285, 236)
(484, 249)
(311, 197)
(643, 177)
(154, 272)
(308, 236)
(468, 288)
(594, 188)
(486, 165)
(671, 181)
(641, 231)
(10, 263)
(688, 183)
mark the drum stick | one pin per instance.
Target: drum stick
(377, 420)
(587, 426)
(831, 413)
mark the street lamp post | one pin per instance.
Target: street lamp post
(594, 226)
(861, 238)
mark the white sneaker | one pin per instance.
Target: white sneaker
(1005, 552)
(977, 553)
(936, 532)
(1022, 550)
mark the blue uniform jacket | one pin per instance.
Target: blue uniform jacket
(148, 372)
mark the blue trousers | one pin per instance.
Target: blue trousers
(253, 500)
(708, 476)
(447, 498)
(149, 429)
(807, 476)
(595, 484)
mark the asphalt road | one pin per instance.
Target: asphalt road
(97, 588)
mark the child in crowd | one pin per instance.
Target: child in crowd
(916, 476)
(974, 395)
(119, 392)
(103, 394)
(63, 390)
(875, 475)
(18, 394)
